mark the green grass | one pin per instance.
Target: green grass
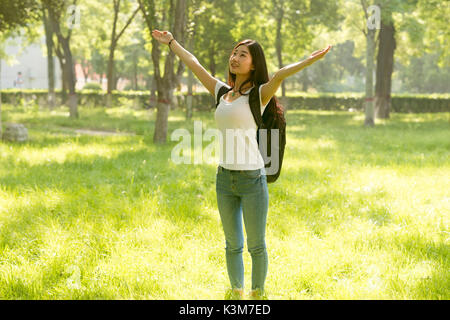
(357, 213)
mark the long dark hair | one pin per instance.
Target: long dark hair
(258, 76)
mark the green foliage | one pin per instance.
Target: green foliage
(434, 14)
(337, 73)
(402, 103)
(423, 75)
(214, 27)
(92, 86)
(215, 35)
(17, 13)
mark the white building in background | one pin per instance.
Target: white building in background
(31, 62)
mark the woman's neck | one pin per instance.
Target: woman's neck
(239, 81)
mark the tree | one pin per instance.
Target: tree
(370, 53)
(115, 36)
(423, 51)
(90, 45)
(48, 27)
(56, 10)
(217, 28)
(279, 15)
(385, 58)
(17, 13)
(190, 81)
(135, 61)
(423, 74)
(434, 15)
(164, 84)
(385, 66)
(191, 31)
(295, 22)
(340, 71)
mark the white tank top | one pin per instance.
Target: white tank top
(238, 144)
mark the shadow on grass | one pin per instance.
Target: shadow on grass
(87, 184)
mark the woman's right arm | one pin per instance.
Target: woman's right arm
(188, 58)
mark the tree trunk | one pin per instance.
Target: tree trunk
(189, 95)
(50, 61)
(164, 84)
(110, 71)
(162, 116)
(110, 79)
(116, 81)
(190, 81)
(66, 60)
(64, 86)
(115, 36)
(85, 69)
(164, 89)
(51, 99)
(73, 105)
(279, 12)
(69, 74)
(305, 80)
(369, 113)
(62, 66)
(0, 99)
(135, 71)
(153, 90)
(110, 75)
(212, 60)
(112, 48)
(71, 82)
(385, 65)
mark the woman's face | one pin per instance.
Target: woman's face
(241, 61)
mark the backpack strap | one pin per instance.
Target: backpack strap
(221, 92)
(255, 106)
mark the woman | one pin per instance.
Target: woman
(241, 186)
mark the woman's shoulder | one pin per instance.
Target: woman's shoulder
(220, 84)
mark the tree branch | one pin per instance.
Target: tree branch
(149, 23)
(127, 24)
(364, 5)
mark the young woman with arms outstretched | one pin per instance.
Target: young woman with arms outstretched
(241, 187)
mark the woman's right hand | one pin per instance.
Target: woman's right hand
(319, 54)
(162, 36)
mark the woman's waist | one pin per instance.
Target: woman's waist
(221, 168)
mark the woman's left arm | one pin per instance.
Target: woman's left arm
(268, 89)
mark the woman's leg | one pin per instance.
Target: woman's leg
(255, 207)
(230, 210)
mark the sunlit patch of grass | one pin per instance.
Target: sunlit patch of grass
(357, 213)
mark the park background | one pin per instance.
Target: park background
(92, 207)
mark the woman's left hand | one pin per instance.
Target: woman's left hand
(319, 54)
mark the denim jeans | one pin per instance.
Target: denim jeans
(244, 194)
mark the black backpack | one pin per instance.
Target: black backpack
(272, 118)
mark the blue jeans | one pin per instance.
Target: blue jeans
(244, 193)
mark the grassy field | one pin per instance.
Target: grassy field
(357, 213)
